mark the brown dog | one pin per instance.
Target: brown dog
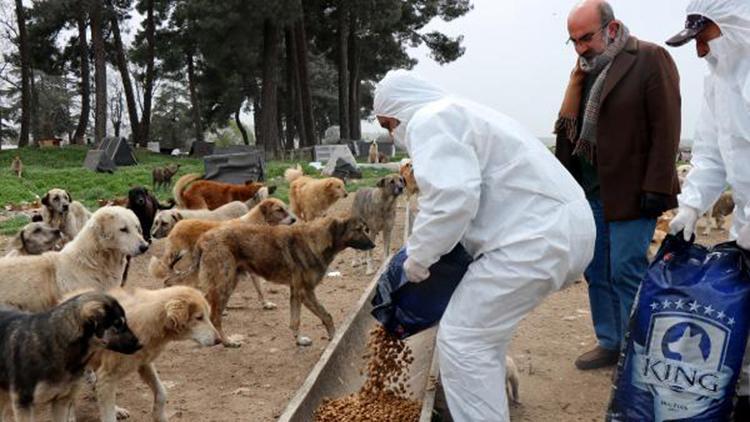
(411, 190)
(209, 194)
(185, 234)
(17, 166)
(310, 198)
(162, 176)
(723, 208)
(373, 155)
(297, 255)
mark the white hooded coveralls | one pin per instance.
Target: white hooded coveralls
(488, 183)
(721, 146)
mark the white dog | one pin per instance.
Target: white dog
(59, 211)
(94, 259)
(165, 220)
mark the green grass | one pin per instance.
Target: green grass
(45, 169)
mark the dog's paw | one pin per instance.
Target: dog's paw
(121, 413)
(303, 341)
(268, 306)
(234, 341)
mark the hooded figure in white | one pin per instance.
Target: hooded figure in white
(721, 148)
(489, 184)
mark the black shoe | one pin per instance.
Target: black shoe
(597, 358)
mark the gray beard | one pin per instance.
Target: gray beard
(595, 64)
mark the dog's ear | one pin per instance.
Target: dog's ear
(36, 218)
(271, 189)
(70, 199)
(381, 182)
(103, 223)
(178, 314)
(92, 314)
(45, 199)
(177, 216)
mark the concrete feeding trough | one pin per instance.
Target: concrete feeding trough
(337, 373)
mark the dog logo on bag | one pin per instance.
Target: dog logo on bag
(683, 361)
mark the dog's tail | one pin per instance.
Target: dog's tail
(293, 173)
(181, 185)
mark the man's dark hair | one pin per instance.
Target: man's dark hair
(606, 14)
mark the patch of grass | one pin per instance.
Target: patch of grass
(11, 226)
(45, 169)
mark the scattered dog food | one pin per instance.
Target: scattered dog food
(383, 397)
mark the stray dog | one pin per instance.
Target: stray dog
(162, 176)
(61, 212)
(191, 192)
(412, 190)
(43, 356)
(382, 158)
(33, 239)
(165, 220)
(156, 317)
(373, 155)
(310, 198)
(296, 255)
(95, 259)
(377, 208)
(724, 207)
(183, 238)
(682, 172)
(17, 166)
(145, 205)
(512, 380)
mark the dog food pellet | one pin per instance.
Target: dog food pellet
(383, 396)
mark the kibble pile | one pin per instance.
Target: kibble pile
(383, 397)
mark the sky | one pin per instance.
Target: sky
(516, 60)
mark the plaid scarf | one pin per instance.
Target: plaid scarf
(567, 122)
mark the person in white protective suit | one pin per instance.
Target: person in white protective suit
(487, 183)
(721, 148)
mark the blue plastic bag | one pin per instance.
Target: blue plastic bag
(405, 308)
(687, 336)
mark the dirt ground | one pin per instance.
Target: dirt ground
(254, 382)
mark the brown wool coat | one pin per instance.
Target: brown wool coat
(638, 135)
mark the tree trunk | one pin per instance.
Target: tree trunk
(83, 52)
(194, 105)
(240, 126)
(269, 91)
(34, 126)
(23, 47)
(100, 72)
(355, 121)
(295, 88)
(148, 88)
(122, 66)
(343, 65)
(304, 76)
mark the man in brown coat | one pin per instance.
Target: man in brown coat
(618, 134)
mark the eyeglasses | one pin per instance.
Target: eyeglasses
(586, 38)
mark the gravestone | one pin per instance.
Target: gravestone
(235, 165)
(118, 151)
(341, 152)
(97, 160)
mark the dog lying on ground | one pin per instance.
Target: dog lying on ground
(191, 192)
(412, 190)
(181, 241)
(17, 166)
(377, 207)
(297, 255)
(34, 239)
(162, 176)
(96, 259)
(310, 198)
(145, 206)
(165, 220)
(156, 317)
(43, 356)
(61, 212)
(373, 155)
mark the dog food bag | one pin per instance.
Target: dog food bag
(687, 336)
(405, 308)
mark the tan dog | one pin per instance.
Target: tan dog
(297, 255)
(377, 207)
(61, 212)
(165, 220)
(95, 259)
(156, 317)
(310, 198)
(373, 155)
(182, 240)
(191, 192)
(412, 190)
(723, 208)
(34, 239)
(17, 166)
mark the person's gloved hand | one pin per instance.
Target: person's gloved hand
(415, 272)
(685, 221)
(743, 238)
(653, 204)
